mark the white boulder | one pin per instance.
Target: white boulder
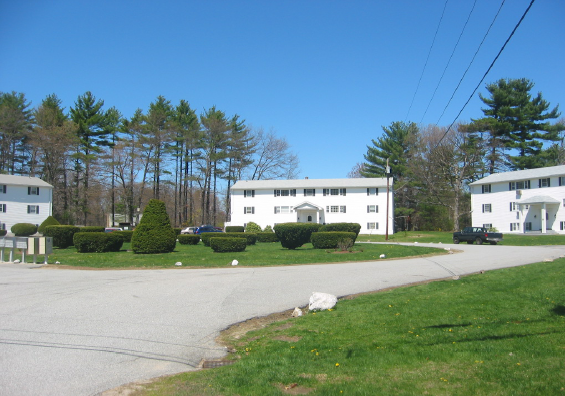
(320, 301)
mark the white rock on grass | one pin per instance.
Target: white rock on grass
(297, 312)
(234, 262)
(382, 256)
(321, 301)
(178, 263)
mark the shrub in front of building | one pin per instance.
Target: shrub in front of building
(154, 233)
(331, 239)
(62, 235)
(235, 229)
(252, 227)
(97, 242)
(3, 233)
(47, 222)
(23, 229)
(125, 234)
(91, 229)
(268, 228)
(250, 238)
(188, 239)
(294, 235)
(345, 227)
(267, 237)
(230, 244)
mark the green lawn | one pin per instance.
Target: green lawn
(446, 237)
(261, 254)
(498, 333)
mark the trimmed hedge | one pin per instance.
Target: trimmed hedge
(126, 235)
(250, 238)
(330, 239)
(91, 229)
(3, 233)
(252, 227)
(154, 233)
(23, 229)
(188, 239)
(97, 242)
(47, 222)
(294, 235)
(235, 229)
(267, 237)
(62, 235)
(177, 231)
(345, 227)
(229, 244)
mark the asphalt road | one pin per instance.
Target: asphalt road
(73, 332)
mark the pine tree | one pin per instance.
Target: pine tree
(154, 233)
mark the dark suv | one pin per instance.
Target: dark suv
(206, 228)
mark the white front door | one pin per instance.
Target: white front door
(307, 217)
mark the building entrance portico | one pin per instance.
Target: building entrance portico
(307, 212)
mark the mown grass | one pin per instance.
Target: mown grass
(261, 254)
(447, 237)
(498, 333)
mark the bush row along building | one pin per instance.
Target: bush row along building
(524, 201)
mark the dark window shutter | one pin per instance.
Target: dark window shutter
(367, 208)
(244, 193)
(509, 186)
(253, 210)
(29, 191)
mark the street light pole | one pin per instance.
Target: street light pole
(387, 170)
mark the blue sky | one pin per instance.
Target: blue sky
(326, 75)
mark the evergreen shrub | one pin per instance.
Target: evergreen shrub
(267, 237)
(250, 238)
(47, 222)
(91, 229)
(188, 239)
(62, 235)
(177, 231)
(345, 227)
(97, 242)
(268, 228)
(3, 233)
(235, 229)
(23, 229)
(252, 227)
(294, 235)
(331, 239)
(126, 235)
(154, 233)
(230, 244)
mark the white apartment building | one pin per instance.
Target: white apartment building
(324, 201)
(521, 201)
(24, 199)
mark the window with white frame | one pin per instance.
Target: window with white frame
(517, 215)
(248, 193)
(3, 226)
(33, 209)
(486, 188)
(488, 226)
(372, 208)
(33, 191)
(342, 209)
(283, 209)
(514, 206)
(3, 189)
(544, 182)
(562, 181)
(285, 193)
(519, 185)
(2, 208)
(487, 208)
(343, 191)
(309, 192)
(372, 226)
(249, 210)
(336, 209)
(528, 226)
(372, 191)
(514, 226)
(562, 225)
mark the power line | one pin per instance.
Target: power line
(449, 60)
(490, 67)
(426, 63)
(472, 60)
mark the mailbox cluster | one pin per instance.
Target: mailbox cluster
(25, 245)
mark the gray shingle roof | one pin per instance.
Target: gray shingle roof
(526, 174)
(310, 183)
(12, 180)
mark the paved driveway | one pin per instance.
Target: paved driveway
(71, 332)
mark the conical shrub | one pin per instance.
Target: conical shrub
(154, 233)
(47, 222)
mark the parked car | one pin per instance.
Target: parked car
(207, 228)
(478, 235)
(112, 229)
(189, 230)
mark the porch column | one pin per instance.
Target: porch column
(543, 219)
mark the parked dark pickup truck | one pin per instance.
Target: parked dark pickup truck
(477, 234)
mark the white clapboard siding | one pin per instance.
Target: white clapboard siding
(255, 201)
(536, 193)
(16, 200)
